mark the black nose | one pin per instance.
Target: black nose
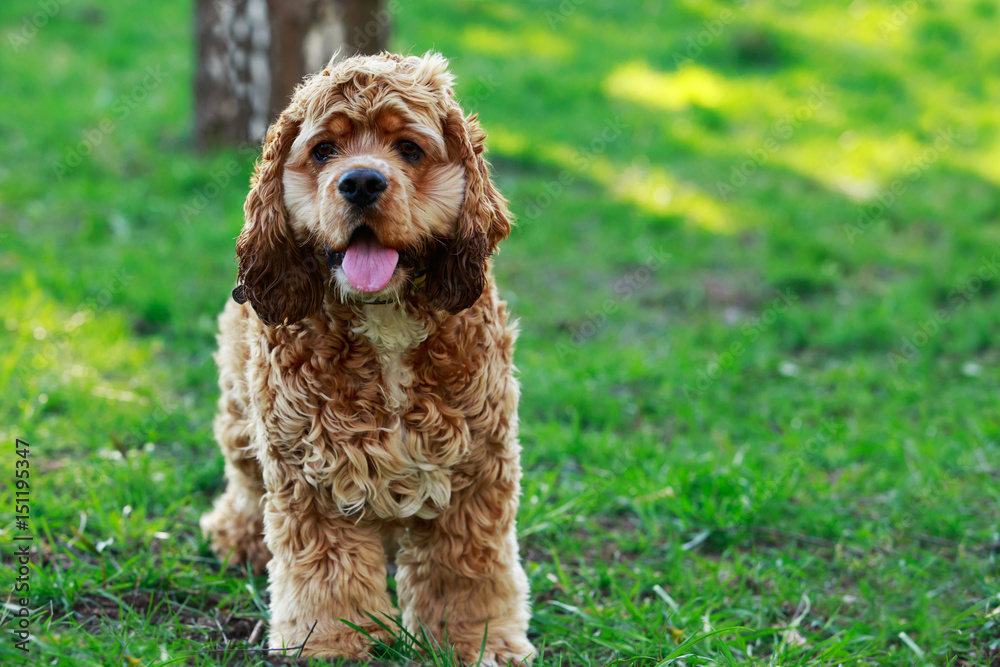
(362, 186)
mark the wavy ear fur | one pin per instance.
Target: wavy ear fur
(457, 268)
(280, 278)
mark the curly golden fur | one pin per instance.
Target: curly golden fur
(355, 421)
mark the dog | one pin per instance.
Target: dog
(369, 403)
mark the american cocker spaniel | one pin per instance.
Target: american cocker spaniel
(368, 399)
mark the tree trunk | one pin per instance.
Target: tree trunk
(252, 53)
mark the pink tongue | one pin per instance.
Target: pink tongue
(368, 264)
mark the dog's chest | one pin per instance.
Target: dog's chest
(393, 333)
(396, 461)
(379, 411)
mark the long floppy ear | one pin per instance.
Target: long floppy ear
(457, 268)
(280, 278)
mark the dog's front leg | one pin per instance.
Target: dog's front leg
(325, 567)
(460, 574)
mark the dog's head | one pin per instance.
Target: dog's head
(371, 178)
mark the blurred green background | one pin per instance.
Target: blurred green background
(756, 270)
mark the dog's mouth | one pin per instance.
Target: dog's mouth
(368, 265)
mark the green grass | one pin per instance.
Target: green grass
(759, 407)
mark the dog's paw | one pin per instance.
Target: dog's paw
(499, 652)
(340, 641)
(235, 535)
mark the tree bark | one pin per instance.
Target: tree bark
(252, 53)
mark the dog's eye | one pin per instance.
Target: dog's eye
(410, 151)
(324, 151)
